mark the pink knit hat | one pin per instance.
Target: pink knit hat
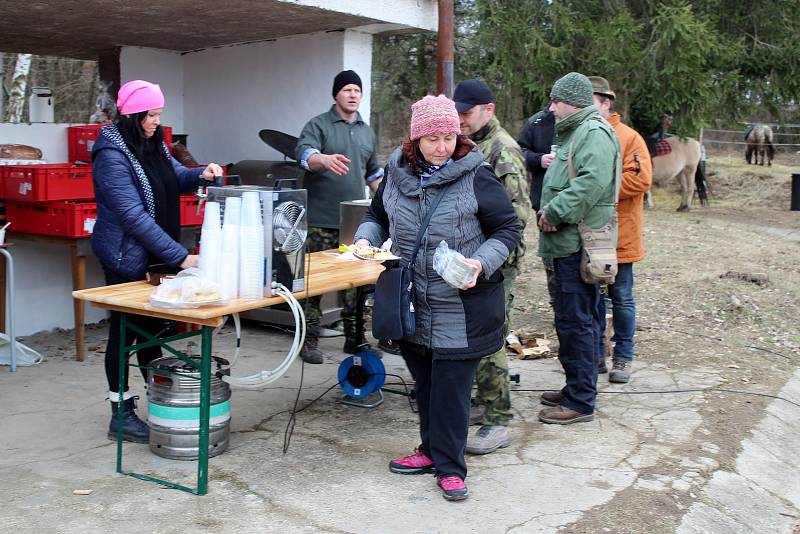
(434, 115)
(139, 95)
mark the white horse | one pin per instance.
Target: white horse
(681, 164)
(759, 142)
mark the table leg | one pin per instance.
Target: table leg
(78, 306)
(123, 368)
(360, 333)
(205, 409)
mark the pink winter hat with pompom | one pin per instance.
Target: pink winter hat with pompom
(434, 115)
(137, 96)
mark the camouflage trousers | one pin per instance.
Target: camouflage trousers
(491, 378)
(326, 239)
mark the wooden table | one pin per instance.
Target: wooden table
(327, 273)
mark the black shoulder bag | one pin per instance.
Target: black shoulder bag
(393, 308)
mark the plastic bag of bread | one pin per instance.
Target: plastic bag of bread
(451, 266)
(189, 289)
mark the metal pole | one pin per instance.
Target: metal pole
(444, 49)
(205, 409)
(12, 339)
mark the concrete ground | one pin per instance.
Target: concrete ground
(647, 463)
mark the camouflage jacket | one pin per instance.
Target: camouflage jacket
(504, 155)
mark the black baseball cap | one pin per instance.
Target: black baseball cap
(470, 93)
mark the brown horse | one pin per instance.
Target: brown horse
(681, 164)
(759, 141)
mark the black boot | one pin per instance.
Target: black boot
(310, 352)
(133, 428)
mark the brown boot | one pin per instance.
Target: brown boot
(310, 352)
(561, 415)
(551, 398)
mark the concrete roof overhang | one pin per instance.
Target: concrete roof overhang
(82, 28)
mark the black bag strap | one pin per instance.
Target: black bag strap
(425, 224)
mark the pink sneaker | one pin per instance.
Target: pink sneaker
(453, 487)
(413, 464)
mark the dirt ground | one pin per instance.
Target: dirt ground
(689, 316)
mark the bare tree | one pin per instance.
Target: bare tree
(2, 84)
(19, 84)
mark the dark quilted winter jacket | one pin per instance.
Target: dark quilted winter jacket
(125, 232)
(475, 217)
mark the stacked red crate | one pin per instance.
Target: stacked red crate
(81, 139)
(46, 198)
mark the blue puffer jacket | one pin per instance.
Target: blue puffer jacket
(125, 232)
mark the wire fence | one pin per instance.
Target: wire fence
(711, 136)
(785, 139)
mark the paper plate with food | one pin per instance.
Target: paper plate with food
(370, 253)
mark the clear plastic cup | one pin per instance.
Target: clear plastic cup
(212, 215)
(233, 210)
(251, 209)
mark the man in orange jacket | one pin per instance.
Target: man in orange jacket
(637, 174)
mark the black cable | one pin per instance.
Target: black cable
(645, 392)
(669, 391)
(721, 340)
(287, 433)
(405, 387)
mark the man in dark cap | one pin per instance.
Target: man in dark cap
(579, 187)
(475, 104)
(340, 152)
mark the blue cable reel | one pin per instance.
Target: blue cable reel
(360, 376)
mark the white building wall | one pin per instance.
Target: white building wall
(51, 138)
(163, 67)
(233, 92)
(357, 56)
(43, 286)
(221, 97)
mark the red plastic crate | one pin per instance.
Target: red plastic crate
(47, 181)
(81, 140)
(65, 219)
(189, 215)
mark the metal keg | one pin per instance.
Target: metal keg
(173, 410)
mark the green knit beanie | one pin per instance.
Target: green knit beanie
(574, 89)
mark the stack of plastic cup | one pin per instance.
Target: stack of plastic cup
(229, 264)
(211, 243)
(251, 247)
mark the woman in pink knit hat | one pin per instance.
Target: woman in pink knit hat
(457, 321)
(137, 183)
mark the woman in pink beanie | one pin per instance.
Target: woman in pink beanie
(137, 184)
(454, 326)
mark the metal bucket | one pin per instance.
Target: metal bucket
(173, 410)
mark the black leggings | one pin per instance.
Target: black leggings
(150, 325)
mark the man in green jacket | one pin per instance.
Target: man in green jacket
(340, 152)
(475, 104)
(578, 187)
